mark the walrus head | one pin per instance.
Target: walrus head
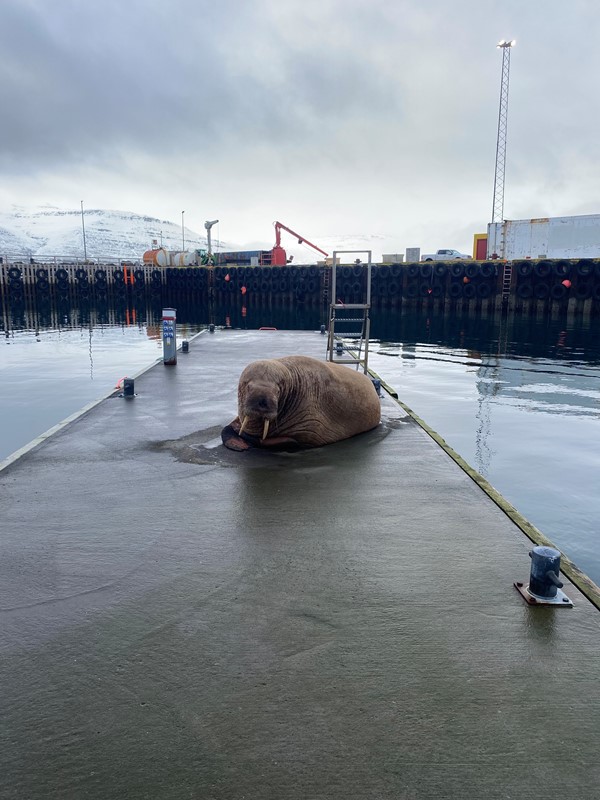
(259, 394)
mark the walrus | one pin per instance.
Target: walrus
(300, 401)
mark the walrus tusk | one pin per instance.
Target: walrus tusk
(243, 425)
(265, 429)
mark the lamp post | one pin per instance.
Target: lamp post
(182, 232)
(208, 225)
(83, 229)
(498, 201)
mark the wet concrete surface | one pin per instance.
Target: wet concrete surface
(183, 621)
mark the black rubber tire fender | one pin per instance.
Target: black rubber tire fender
(524, 268)
(583, 290)
(561, 268)
(585, 267)
(542, 269)
(525, 290)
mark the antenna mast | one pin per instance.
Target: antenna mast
(498, 203)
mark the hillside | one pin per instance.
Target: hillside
(48, 231)
(108, 234)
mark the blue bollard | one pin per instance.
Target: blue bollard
(544, 579)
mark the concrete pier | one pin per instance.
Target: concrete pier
(183, 621)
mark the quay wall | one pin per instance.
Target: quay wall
(520, 285)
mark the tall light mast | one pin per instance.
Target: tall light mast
(208, 225)
(498, 202)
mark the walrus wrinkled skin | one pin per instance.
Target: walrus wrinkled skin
(300, 401)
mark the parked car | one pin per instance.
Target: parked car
(445, 255)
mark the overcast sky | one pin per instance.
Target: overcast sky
(336, 117)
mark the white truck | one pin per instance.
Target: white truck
(548, 237)
(444, 255)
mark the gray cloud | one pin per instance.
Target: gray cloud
(364, 115)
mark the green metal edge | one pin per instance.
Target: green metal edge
(585, 584)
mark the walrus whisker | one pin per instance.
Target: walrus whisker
(265, 429)
(243, 425)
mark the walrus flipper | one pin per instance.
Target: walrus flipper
(231, 438)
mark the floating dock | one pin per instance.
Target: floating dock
(183, 621)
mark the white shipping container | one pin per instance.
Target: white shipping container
(548, 237)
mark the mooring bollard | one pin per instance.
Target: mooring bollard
(545, 568)
(128, 387)
(323, 330)
(339, 348)
(169, 316)
(545, 585)
(377, 385)
(185, 346)
(211, 328)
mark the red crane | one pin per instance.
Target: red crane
(278, 254)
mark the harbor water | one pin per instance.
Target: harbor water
(517, 397)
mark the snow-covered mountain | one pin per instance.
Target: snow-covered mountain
(52, 231)
(49, 231)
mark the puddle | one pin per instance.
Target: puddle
(204, 447)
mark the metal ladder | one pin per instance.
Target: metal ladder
(349, 323)
(506, 281)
